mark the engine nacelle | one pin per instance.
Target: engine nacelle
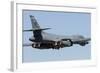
(67, 42)
(36, 45)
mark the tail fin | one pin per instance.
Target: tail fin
(35, 24)
(37, 31)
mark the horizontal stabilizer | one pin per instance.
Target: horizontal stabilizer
(37, 29)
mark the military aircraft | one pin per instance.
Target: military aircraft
(44, 40)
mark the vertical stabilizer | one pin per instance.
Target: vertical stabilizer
(37, 33)
(35, 24)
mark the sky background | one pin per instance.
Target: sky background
(62, 23)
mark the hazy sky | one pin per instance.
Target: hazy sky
(62, 23)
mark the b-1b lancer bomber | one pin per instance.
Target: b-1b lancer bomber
(43, 40)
